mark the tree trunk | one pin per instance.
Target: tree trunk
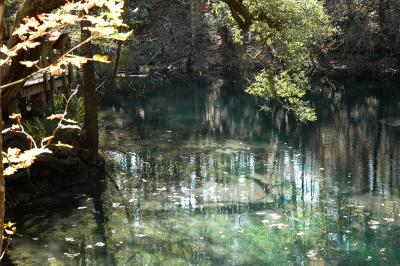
(91, 131)
(193, 22)
(193, 28)
(116, 63)
(2, 183)
(381, 13)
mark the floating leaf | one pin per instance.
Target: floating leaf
(275, 216)
(72, 255)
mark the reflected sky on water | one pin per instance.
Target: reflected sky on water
(201, 177)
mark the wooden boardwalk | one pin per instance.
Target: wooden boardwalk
(37, 85)
(40, 92)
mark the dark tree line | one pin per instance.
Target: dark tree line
(370, 28)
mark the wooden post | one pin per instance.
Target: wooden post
(13, 107)
(70, 68)
(45, 74)
(116, 63)
(63, 47)
(38, 100)
(65, 87)
(46, 87)
(50, 92)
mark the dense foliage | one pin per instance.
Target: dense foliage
(283, 34)
(368, 28)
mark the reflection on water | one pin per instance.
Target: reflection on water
(200, 177)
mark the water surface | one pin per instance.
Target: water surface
(201, 177)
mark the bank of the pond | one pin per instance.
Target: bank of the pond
(339, 66)
(51, 173)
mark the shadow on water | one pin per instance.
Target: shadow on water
(55, 216)
(201, 177)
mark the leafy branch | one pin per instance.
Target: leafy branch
(49, 26)
(16, 159)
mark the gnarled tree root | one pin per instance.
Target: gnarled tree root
(62, 169)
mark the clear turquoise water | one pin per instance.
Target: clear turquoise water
(201, 177)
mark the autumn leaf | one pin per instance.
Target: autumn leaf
(4, 49)
(101, 58)
(29, 63)
(21, 30)
(9, 232)
(69, 19)
(55, 116)
(9, 171)
(122, 36)
(63, 145)
(76, 60)
(6, 130)
(53, 36)
(70, 121)
(15, 116)
(9, 224)
(70, 127)
(47, 139)
(9, 52)
(32, 45)
(15, 127)
(55, 72)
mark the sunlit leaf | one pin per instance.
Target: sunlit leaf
(63, 145)
(15, 116)
(101, 58)
(70, 127)
(55, 116)
(9, 171)
(47, 139)
(9, 232)
(122, 36)
(54, 35)
(55, 72)
(9, 224)
(29, 63)
(70, 121)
